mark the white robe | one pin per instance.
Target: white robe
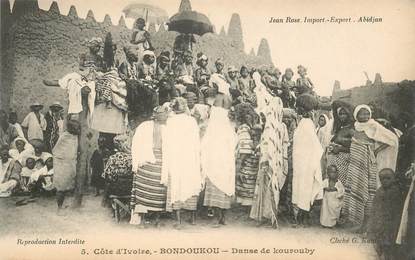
(218, 151)
(332, 204)
(307, 152)
(181, 158)
(73, 84)
(387, 157)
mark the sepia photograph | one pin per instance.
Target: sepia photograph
(207, 129)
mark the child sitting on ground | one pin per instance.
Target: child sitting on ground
(46, 178)
(26, 174)
(332, 198)
(41, 178)
(386, 215)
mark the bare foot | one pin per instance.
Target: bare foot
(217, 225)
(60, 212)
(178, 226)
(192, 221)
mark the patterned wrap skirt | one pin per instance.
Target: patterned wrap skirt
(360, 182)
(245, 187)
(147, 192)
(215, 197)
(342, 161)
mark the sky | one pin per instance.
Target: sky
(330, 51)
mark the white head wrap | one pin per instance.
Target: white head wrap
(359, 107)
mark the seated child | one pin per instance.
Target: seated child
(27, 172)
(332, 198)
(36, 181)
(46, 177)
(386, 215)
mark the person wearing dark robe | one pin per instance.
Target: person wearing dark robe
(97, 165)
(386, 213)
(92, 60)
(128, 69)
(202, 74)
(54, 123)
(183, 43)
(163, 65)
(183, 66)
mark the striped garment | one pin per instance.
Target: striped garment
(245, 182)
(360, 182)
(215, 197)
(147, 192)
(341, 160)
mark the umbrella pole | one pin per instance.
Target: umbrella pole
(146, 15)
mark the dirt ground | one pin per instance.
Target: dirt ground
(95, 225)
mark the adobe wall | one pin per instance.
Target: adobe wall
(395, 99)
(41, 44)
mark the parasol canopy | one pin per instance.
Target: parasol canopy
(190, 22)
(150, 13)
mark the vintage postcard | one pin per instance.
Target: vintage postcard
(207, 129)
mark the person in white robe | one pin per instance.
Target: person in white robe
(386, 142)
(218, 153)
(307, 152)
(181, 161)
(333, 198)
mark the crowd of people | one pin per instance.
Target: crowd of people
(175, 137)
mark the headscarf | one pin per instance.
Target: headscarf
(373, 129)
(360, 107)
(324, 132)
(148, 52)
(202, 57)
(14, 153)
(165, 55)
(180, 106)
(27, 144)
(336, 106)
(94, 41)
(219, 61)
(232, 69)
(123, 143)
(262, 93)
(161, 110)
(301, 68)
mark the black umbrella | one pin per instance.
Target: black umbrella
(190, 22)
